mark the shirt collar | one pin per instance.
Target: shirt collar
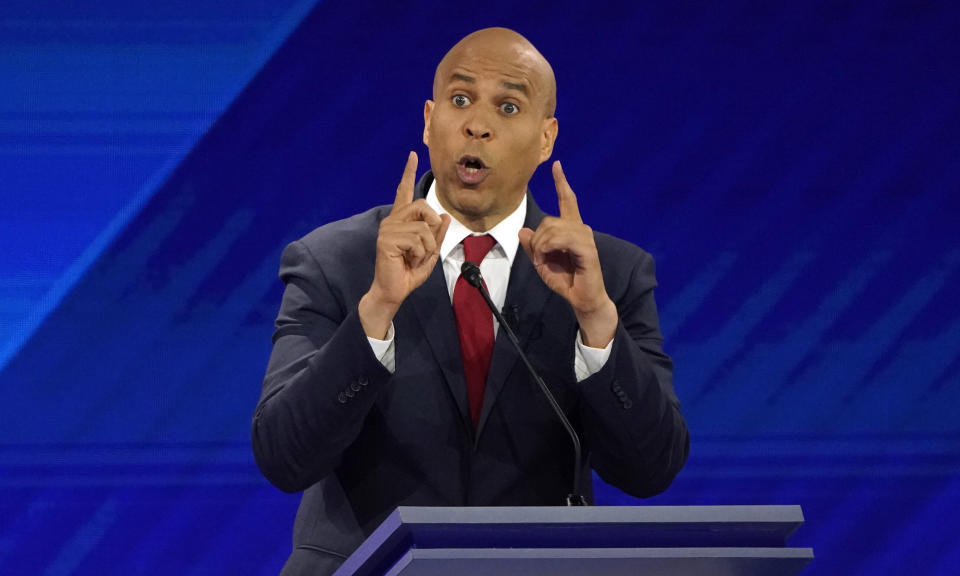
(506, 232)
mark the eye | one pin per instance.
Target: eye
(459, 100)
(509, 108)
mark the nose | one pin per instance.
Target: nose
(475, 127)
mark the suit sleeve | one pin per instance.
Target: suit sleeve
(321, 381)
(630, 415)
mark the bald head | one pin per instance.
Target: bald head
(502, 46)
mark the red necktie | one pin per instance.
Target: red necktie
(474, 325)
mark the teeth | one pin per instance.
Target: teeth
(472, 170)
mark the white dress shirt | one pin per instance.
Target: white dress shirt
(496, 274)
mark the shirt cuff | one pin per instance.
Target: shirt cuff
(384, 350)
(588, 361)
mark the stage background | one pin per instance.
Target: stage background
(793, 167)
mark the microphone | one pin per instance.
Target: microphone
(471, 273)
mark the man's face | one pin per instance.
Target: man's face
(488, 128)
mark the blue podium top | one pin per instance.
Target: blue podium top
(597, 527)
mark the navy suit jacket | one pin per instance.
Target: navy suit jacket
(360, 441)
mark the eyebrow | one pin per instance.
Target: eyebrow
(463, 78)
(516, 86)
(508, 85)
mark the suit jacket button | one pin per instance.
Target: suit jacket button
(354, 386)
(627, 405)
(362, 381)
(341, 398)
(349, 393)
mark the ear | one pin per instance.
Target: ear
(548, 135)
(427, 111)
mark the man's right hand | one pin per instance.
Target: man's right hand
(408, 246)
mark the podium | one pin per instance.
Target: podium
(562, 541)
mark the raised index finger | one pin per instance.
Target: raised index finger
(405, 189)
(565, 196)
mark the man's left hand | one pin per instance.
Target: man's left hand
(565, 256)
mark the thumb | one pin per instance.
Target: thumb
(441, 232)
(526, 236)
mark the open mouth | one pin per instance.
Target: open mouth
(472, 163)
(471, 170)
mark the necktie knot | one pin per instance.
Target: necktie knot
(475, 248)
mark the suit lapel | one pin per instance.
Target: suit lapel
(529, 294)
(431, 304)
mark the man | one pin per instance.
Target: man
(387, 387)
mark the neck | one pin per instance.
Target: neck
(480, 224)
(478, 221)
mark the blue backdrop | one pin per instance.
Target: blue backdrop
(794, 168)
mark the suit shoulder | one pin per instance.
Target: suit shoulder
(626, 267)
(354, 237)
(364, 224)
(618, 249)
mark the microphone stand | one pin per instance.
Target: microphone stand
(471, 273)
